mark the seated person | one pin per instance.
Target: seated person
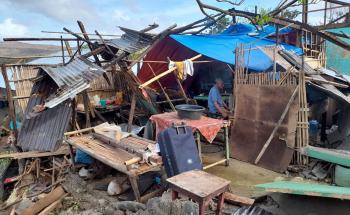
(215, 103)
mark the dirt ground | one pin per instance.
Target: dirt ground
(84, 199)
(243, 176)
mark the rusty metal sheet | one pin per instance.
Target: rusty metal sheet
(258, 108)
(44, 131)
(71, 78)
(131, 41)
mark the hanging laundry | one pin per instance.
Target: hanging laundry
(180, 70)
(183, 68)
(188, 68)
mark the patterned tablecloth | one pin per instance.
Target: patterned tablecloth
(208, 127)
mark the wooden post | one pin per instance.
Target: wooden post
(132, 111)
(227, 146)
(68, 48)
(82, 28)
(199, 144)
(12, 112)
(86, 109)
(62, 49)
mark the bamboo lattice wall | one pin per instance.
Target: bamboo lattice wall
(22, 77)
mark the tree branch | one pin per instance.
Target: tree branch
(203, 6)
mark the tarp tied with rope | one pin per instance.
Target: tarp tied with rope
(218, 48)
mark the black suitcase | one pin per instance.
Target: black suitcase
(178, 149)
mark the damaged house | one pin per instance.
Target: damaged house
(132, 117)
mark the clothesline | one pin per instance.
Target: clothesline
(167, 62)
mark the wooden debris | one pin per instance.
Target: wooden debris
(53, 206)
(44, 202)
(33, 154)
(238, 200)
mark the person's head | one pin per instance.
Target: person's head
(219, 83)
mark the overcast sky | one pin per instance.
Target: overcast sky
(28, 17)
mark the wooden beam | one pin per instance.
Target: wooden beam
(12, 112)
(33, 154)
(39, 39)
(86, 102)
(132, 112)
(338, 2)
(44, 202)
(92, 47)
(238, 200)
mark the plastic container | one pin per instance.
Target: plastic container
(313, 127)
(103, 103)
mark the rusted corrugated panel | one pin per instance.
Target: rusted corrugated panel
(77, 71)
(329, 89)
(44, 131)
(257, 111)
(132, 41)
(72, 79)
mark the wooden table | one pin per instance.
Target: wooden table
(200, 187)
(115, 158)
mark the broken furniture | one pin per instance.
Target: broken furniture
(341, 157)
(118, 158)
(306, 188)
(205, 127)
(200, 187)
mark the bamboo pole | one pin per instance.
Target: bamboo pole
(162, 88)
(12, 112)
(165, 73)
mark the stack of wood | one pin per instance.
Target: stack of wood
(37, 189)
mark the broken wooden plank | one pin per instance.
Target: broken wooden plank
(340, 157)
(53, 206)
(44, 202)
(238, 200)
(70, 133)
(113, 157)
(132, 112)
(307, 189)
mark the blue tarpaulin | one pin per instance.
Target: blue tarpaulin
(242, 28)
(222, 47)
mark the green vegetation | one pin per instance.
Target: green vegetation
(219, 26)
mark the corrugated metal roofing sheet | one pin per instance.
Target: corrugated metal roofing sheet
(131, 41)
(71, 79)
(79, 70)
(44, 131)
(336, 75)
